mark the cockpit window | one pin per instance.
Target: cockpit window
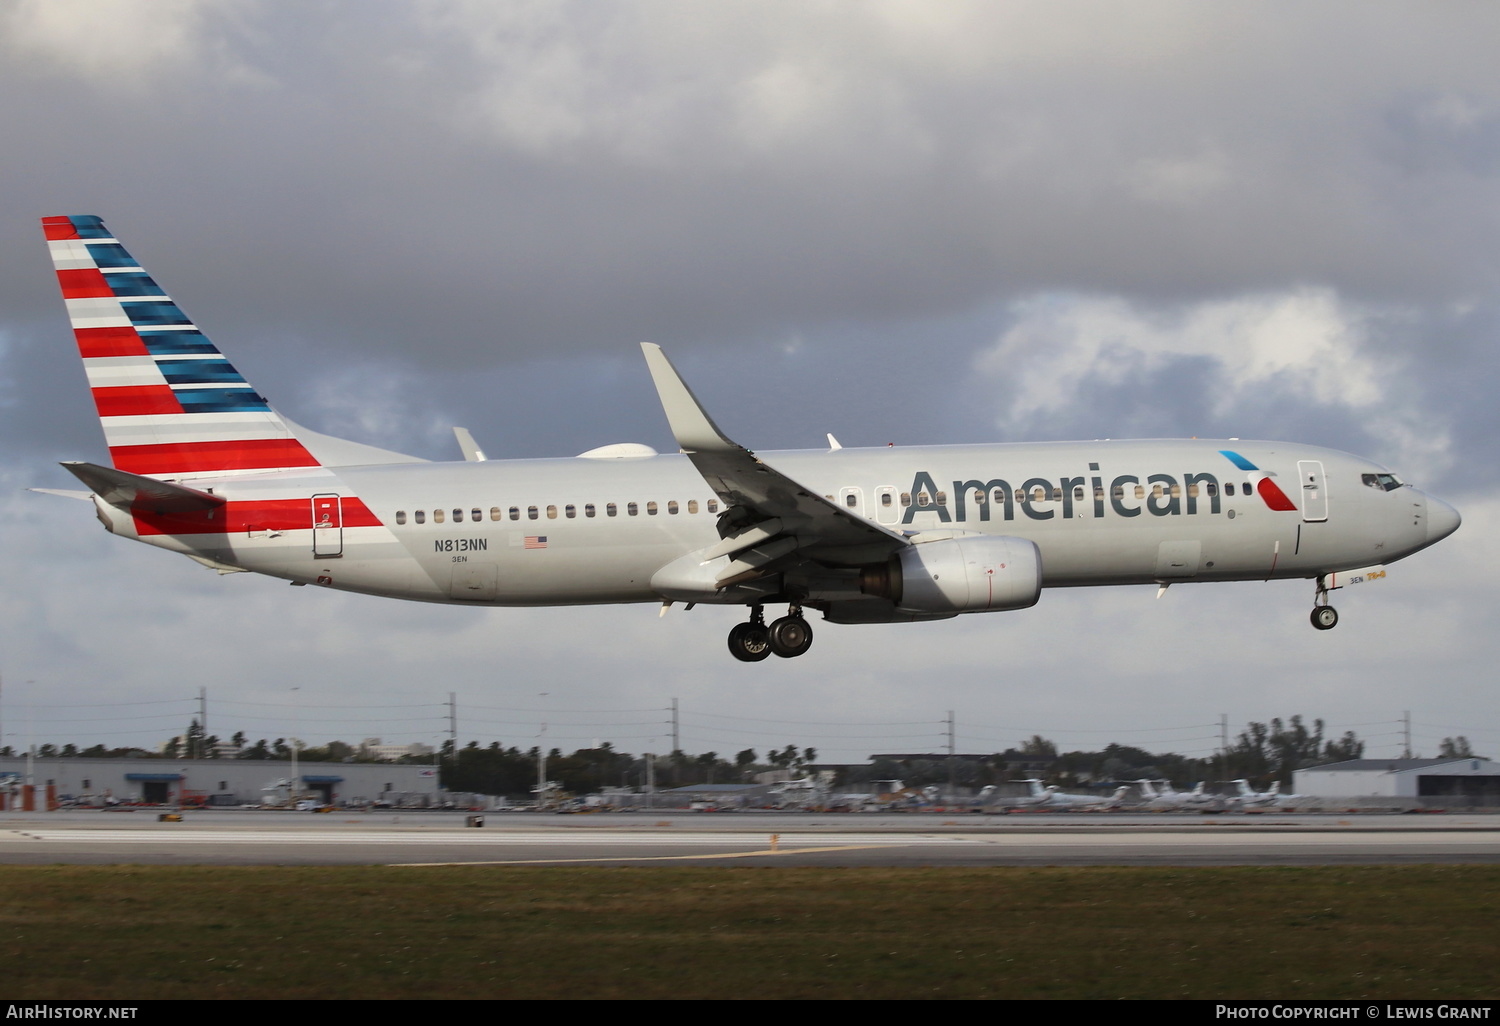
(1385, 482)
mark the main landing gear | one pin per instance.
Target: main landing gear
(1324, 617)
(789, 636)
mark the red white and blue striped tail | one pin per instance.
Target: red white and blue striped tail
(170, 404)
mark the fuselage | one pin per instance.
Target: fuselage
(580, 530)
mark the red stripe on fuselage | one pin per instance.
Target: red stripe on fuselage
(136, 400)
(1274, 496)
(206, 457)
(122, 341)
(83, 283)
(244, 517)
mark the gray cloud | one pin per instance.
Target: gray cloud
(894, 221)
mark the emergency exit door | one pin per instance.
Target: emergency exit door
(328, 525)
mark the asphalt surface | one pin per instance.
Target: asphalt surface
(245, 837)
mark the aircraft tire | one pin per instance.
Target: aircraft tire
(1325, 618)
(790, 636)
(749, 642)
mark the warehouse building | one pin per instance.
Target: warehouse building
(221, 782)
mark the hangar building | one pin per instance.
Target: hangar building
(1468, 782)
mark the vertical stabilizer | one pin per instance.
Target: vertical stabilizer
(170, 404)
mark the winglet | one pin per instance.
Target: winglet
(472, 452)
(694, 430)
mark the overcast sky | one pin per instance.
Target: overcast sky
(898, 222)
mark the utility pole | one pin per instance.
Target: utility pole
(1406, 734)
(676, 737)
(952, 759)
(453, 724)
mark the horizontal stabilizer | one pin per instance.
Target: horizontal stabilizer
(66, 493)
(130, 492)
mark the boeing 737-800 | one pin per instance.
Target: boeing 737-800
(202, 465)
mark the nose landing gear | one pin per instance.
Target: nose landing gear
(788, 636)
(1324, 617)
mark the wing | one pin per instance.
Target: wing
(772, 520)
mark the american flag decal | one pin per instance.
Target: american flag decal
(536, 541)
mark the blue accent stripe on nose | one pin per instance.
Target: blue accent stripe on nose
(1238, 460)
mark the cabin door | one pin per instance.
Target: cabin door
(1314, 490)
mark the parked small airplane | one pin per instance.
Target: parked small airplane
(203, 466)
(1249, 798)
(1165, 798)
(1051, 798)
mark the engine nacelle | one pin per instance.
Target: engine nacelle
(963, 575)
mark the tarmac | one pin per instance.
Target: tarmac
(423, 838)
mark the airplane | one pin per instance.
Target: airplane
(1166, 798)
(1249, 798)
(202, 465)
(1051, 798)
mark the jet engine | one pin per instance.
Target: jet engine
(959, 575)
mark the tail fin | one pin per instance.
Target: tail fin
(170, 404)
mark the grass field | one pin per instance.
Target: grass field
(532, 932)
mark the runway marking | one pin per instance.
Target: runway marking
(647, 858)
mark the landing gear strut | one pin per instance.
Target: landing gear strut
(1324, 617)
(788, 637)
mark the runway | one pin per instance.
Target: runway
(788, 839)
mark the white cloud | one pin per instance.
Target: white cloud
(118, 44)
(1305, 344)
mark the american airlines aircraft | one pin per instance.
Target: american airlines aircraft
(202, 465)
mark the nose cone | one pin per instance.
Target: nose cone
(1442, 520)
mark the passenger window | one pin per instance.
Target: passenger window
(849, 500)
(651, 509)
(1140, 492)
(923, 499)
(401, 516)
(1228, 487)
(906, 498)
(692, 505)
(1213, 489)
(672, 507)
(551, 512)
(713, 505)
(515, 512)
(437, 516)
(420, 516)
(588, 509)
(1118, 493)
(1039, 494)
(979, 498)
(1099, 493)
(1156, 492)
(886, 499)
(632, 508)
(610, 509)
(942, 498)
(458, 516)
(476, 514)
(531, 513)
(1078, 493)
(999, 495)
(1192, 490)
(495, 513)
(570, 511)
